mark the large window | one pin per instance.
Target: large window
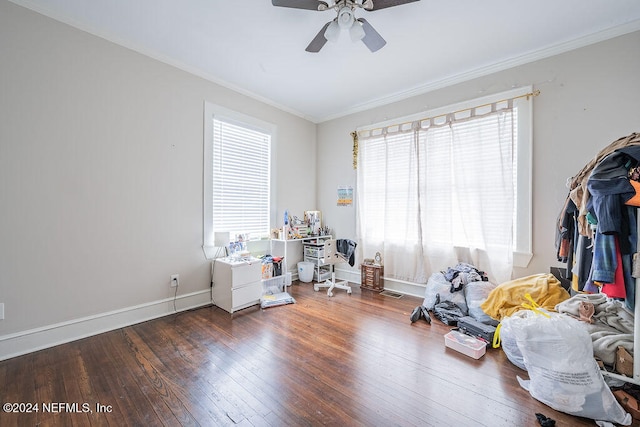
(237, 175)
(448, 186)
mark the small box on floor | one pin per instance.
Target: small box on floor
(465, 344)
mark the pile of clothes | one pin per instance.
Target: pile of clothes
(464, 290)
(543, 290)
(544, 331)
(454, 293)
(608, 322)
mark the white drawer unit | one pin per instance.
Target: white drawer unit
(236, 284)
(314, 253)
(320, 274)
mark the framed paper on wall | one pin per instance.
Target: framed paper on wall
(314, 219)
(345, 196)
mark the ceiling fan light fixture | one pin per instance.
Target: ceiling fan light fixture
(332, 33)
(356, 32)
(359, 29)
(345, 18)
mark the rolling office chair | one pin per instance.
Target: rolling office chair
(331, 257)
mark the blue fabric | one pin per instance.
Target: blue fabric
(608, 210)
(610, 188)
(604, 258)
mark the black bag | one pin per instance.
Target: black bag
(471, 326)
(447, 312)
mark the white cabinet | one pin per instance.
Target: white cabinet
(236, 284)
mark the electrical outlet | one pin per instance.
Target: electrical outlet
(1, 311)
(175, 280)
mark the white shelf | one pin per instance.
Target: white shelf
(285, 243)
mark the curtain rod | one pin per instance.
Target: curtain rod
(355, 134)
(526, 95)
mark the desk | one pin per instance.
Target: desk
(285, 243)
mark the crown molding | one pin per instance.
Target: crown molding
(378, 102)
(526, 58)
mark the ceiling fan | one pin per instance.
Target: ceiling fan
(359, 28)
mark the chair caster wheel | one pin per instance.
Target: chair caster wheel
(315, 288)
(349, 292)
(330, 294)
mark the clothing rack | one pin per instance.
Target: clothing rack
(636, 329)
(623, 144)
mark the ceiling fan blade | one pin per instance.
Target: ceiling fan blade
(372, 39)
(383, 4)
(301, 4)
(319, 40)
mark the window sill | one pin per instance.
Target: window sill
(522, 259)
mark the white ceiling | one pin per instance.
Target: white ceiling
(259, 50)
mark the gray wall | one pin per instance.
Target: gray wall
(589, 97)
(101, 169)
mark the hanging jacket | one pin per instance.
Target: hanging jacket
(578, 185)
(347, 248)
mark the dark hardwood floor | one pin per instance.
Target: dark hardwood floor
(343, 361)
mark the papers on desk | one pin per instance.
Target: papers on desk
(273, 300)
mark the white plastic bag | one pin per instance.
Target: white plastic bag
(475, 294)
(437, 284)
(558, 355)
(508, 340)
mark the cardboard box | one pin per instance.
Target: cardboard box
(267, 270)
(465, 344)
(624, 362)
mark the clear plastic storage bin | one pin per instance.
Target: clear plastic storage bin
(465, 344)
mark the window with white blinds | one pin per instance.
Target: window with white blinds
(237, 175)
(428, 188)
(241, 171)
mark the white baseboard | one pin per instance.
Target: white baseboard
(24, 342)
(400, 286)
(348, 275)
(406, 288)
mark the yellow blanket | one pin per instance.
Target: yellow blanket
(507, 298)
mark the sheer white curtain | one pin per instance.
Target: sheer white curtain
(431, 194)
(485, 191)
(389, 202)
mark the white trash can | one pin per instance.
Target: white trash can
(305, 271)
